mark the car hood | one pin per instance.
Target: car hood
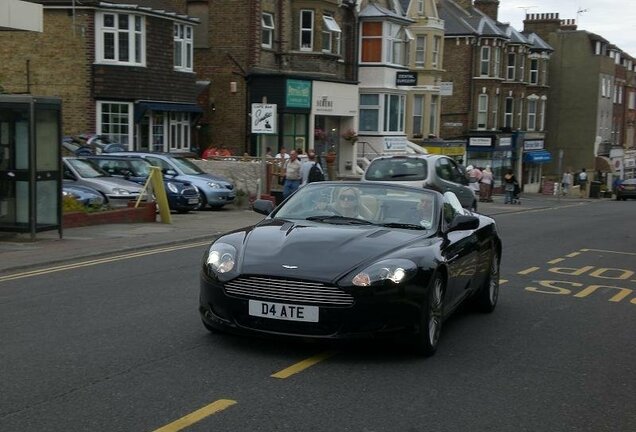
(317, 251)
(207, 177)
(106, 184)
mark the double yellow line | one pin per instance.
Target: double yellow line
(99, 261)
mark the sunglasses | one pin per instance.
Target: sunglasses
(348, 198)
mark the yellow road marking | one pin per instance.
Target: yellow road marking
(502, 281)
(528, 270)
(609, 251)
(573, 254)
(197, 415)
(557, 260)
(301, 366)
(98, 261)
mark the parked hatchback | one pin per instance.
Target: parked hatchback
(215, 190)
(182, 196)
(437, 172)
(83, 172)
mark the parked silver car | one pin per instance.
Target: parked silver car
(215, 190)
(117, 191)
(437, 172)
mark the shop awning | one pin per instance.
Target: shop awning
(142, 107)
(538, 157)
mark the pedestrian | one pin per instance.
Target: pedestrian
(510, 183)
(268, 152)
(292, 174)
(485, 187)
(306, 170)
(616, 184)
(566, 182)
(583, 183)
(282, 154)
(474, 175)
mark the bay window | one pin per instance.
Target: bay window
(330, 35)
(511, 66)
(420, 51)
(371, 42)
(482, 111)
(418, 113)
(532, 115)
(484, 69)
(306, 30)
(382, 112)
(369, 112)
(437, 46)
(497, 61)
(508, 112)
(394, 113)
(432, 121)
(115, 119)
(534, 71)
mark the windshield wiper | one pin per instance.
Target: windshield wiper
(339, 220)
(403, 225)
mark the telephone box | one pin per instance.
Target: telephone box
(30, 164)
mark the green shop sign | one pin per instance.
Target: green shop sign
(298, 94)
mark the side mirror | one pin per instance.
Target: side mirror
(262, 206)
(169, 172)
(463, 223)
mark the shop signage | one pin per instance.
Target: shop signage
(505, 141)
(394, 144)
(264, 118)
(630, 163)
(298, 94)
(533, 145)
(446, 89)
(324, 104)
(480, 142)
(405, 78)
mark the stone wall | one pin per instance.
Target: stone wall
(244, 174)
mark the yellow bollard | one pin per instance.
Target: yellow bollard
(156, 180)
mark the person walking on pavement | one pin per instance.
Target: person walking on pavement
(566, 182)
(292, 174)
(485, 187)
(583, 183)
(510, 183)
(308, 165)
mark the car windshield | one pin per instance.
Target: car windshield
(397, 169)
(140, 167)
(186, 166)
(363, 204)
(86, 168)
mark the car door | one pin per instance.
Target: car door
(449, 179)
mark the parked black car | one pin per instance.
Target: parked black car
(182, 196)
(349, 259)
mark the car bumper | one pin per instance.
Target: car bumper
(374, 314)
(219, 197)
(181, 202)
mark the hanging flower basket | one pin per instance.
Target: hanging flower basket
(350, 135)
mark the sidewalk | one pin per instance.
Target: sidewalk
(18, 252)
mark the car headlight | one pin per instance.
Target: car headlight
(214, 185)
(172, 187)
(395, 270)
(70, 194)
(221, 257)
(120, 191)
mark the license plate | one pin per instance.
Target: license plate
(193, 200)
(282, 311)
(629, 187)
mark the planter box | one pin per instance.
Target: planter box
(146, 212)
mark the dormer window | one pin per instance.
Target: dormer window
(120, 39)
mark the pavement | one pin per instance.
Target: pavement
(18, 252)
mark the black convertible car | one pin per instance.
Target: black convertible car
(349, 260)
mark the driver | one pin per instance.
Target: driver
(348, 203)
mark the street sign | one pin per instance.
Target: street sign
(264, 119)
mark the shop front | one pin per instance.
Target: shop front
(496, 151)
(534, 157)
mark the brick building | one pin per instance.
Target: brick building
(299, 55)
(499, 94)
(122, 68)
(592, 99)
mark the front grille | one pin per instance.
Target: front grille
(229, 186)
(294, 291)
(189, 192)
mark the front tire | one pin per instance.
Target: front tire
(431, 321)
(203, 202)
(487, 296)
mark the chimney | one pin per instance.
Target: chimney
(464, 3)
(542, 24)
(488, 7)
(568, 24)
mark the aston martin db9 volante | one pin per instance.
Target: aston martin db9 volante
(347, 260)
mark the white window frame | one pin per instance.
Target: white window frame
(542, 108)
(534, 71)
(511, 68)
(532, 115)
(371, 108)
(509, 113)
(420, 7)
(484, 61)
(631, 101)
(183, 37)
(268, 26)
(306, 30)
(418, 114)
(497, 61)
(522, 68)
(136, 39)
(433, 115)
(482, 112)
(437, 46)
(105, 128)
(331, 33)
(389, 100)
(179, 131)
(495, 112)
(420, 51)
